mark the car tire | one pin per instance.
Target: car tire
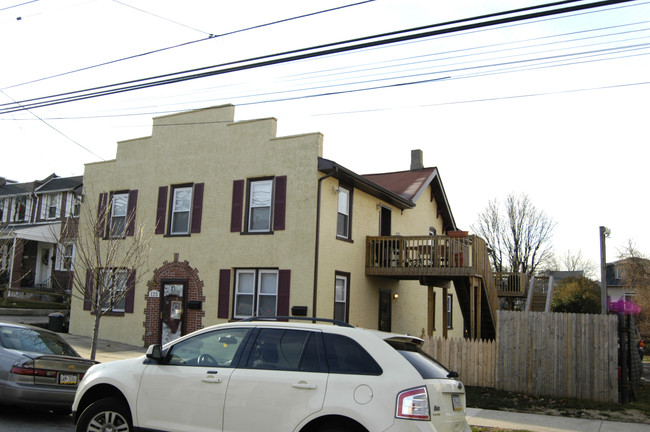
(109, 412)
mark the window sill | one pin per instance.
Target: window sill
(345, 239)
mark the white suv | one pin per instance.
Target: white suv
(282, 376)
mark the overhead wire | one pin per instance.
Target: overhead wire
(317, 51)
(183, 44)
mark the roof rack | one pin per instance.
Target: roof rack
(294, 318)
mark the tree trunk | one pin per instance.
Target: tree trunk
(93, 343)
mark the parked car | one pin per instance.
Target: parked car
(272, 376)
(38, 368)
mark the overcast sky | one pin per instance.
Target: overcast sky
(556, 107)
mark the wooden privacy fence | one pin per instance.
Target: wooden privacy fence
(554, 354)
(474, 360)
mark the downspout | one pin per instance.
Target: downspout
(13, 259)
(316, 251)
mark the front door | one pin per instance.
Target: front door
(172, 305)
(43, 266)
(385, 304)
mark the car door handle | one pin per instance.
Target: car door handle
(212, 379)
(304, 385)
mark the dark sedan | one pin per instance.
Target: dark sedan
(38, 368)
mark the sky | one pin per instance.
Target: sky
(554, 107)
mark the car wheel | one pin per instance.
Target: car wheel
(108, 414)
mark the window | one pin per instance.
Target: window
(280, 349)
(2, 210)
(343, 217)
(118, 214)
(263, 210)
(76, 206)
(180, 213)
(64, 257)
(183, 217)
(259, 206)
(115, 289)
(345, 356)
(450, 309)
(341, 298)
(256, 293)
(22, 208)
(51, 206)
(220, 348)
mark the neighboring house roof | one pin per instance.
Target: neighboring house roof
(60, 184)
(411, 184)
(17, 189)
(9, 189)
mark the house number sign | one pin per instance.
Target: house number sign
(154, 294)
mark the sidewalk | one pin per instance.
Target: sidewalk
(546, 423)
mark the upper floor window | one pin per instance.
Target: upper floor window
(264, 208)
(116, 214)
(259, 206)
(74, 205)
(51, 206)
(256, 293)
(117, 222)
(181, 208)
(183, 217)
(344, 213)
(3, 213)
(22, 208)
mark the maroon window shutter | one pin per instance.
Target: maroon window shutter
(88, 292)
(130, 212)
(224, 294)
(102, 215)
(130, 292)
(161, 210)
(280, 202)
(284, 283)
(197, 208)
(237, 205)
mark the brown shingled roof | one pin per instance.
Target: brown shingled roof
(408, 184)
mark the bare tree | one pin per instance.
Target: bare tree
(636, 276)
(518, 236)
(107, 262)
(573, 261)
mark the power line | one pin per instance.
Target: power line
(317, 51)
(210, 36)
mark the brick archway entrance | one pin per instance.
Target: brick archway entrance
(178, 271)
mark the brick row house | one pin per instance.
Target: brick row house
(38, 232)
(247, 223)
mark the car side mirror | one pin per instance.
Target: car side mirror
(154, 352)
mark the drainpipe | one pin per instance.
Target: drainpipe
(316, 251)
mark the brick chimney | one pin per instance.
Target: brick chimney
(417, 160)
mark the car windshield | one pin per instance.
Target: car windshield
(426, 365)
(35, 341)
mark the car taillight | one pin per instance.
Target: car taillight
(22, 370)
(413, 404)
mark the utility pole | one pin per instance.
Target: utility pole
(604, 233)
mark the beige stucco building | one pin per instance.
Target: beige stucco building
(243, 222)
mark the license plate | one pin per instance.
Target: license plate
(456, 402)
(68, 379)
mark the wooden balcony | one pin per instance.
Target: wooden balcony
(435, 260)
